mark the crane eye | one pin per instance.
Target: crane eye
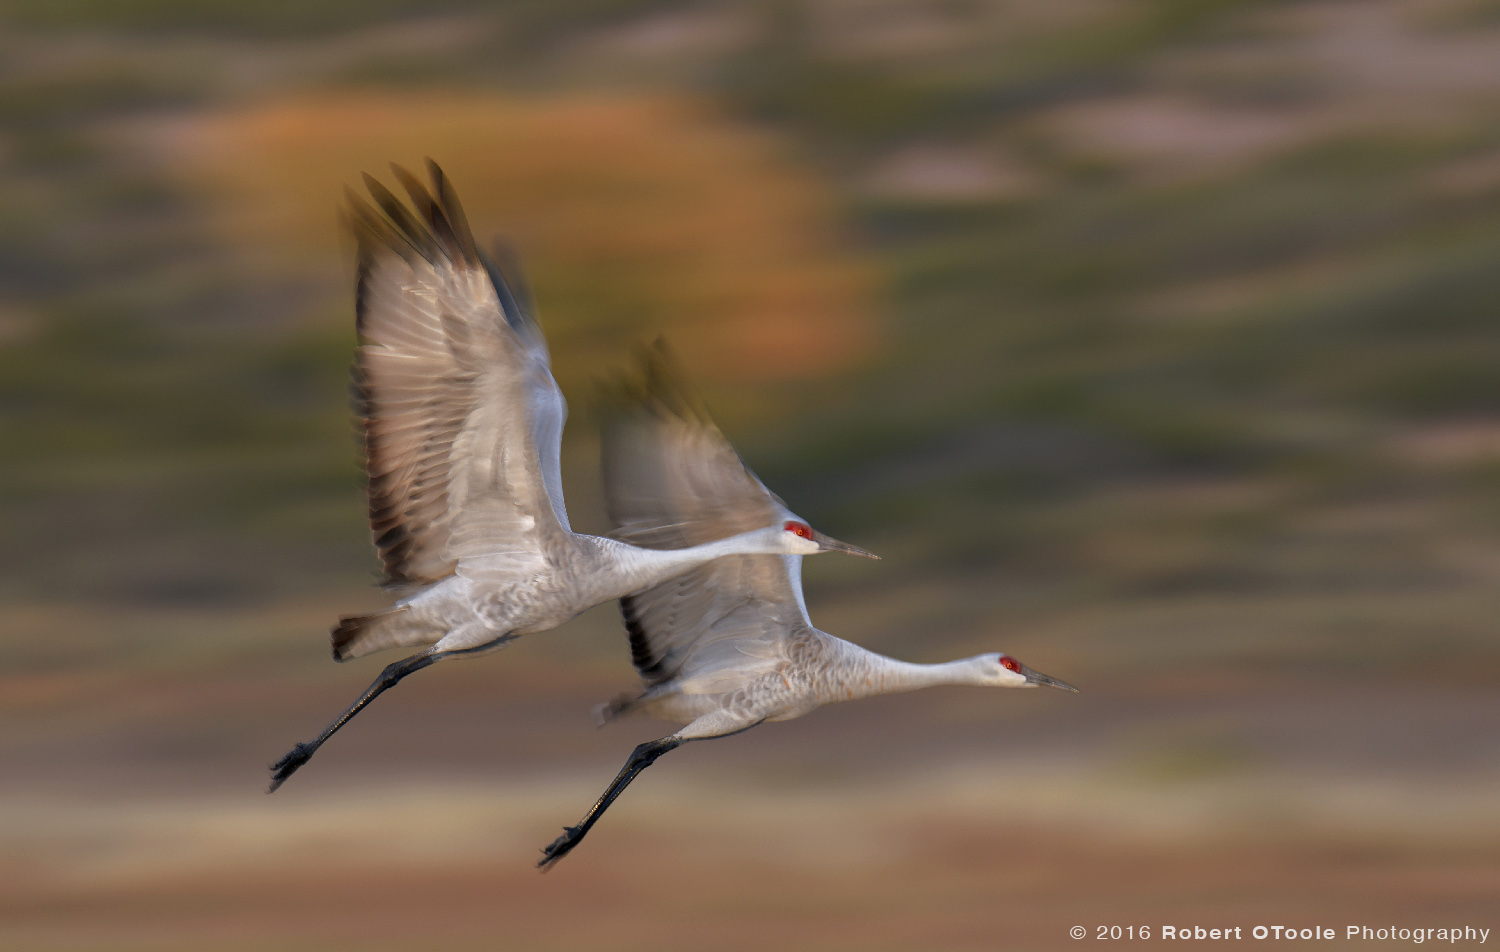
(1010, 664)
(799, 528)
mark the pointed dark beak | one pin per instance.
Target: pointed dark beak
(830, 544)
(1034, 678)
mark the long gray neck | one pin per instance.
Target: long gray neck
(640, 568)
(863, 673)
(905, 676)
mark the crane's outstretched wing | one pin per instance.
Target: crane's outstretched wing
(460, 416)
(549, 411)
(671, 480)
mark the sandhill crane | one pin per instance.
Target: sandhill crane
(728, 645)
(462, 423)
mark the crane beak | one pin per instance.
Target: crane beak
(830, 544)
(1034, 678)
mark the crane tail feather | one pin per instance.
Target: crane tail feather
(358, 635)
(617, 708)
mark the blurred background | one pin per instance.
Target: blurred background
(1153, 341)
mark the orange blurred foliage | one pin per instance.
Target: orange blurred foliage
(635, 214)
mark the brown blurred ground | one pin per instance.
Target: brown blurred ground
(951, 819)
(1153, 342)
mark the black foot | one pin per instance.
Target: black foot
(288, 765)
(560, 847)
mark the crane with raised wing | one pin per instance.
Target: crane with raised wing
(727, 645)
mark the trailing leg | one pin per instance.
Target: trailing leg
(642, 757)
(393, 673)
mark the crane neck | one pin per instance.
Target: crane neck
(907, 676)
(864, 673)
(642, 568)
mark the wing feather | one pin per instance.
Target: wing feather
(671, 480)
(446, 394)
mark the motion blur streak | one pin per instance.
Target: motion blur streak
(1152, 340)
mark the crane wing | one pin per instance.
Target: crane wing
(718, 627)
(459, 413)
(672, 480)
(549, 411)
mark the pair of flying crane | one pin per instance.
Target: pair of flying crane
(462, 425)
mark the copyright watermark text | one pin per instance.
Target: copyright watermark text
(1449, 934)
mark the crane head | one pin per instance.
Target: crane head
(803, 539)
(1010, 673)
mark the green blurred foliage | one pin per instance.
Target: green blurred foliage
(1135, 378)
(276, 19)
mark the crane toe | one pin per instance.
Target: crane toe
(560, 847)
(289, 763)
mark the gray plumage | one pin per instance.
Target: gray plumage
(727, 645)
(462, 423)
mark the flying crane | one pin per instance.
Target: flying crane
(727, 645)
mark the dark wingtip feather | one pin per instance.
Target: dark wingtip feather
(363, 221)
(420, 198)
(666, 385)
(453, 213)
(406, 224)
(438, 228)
(442, 213)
